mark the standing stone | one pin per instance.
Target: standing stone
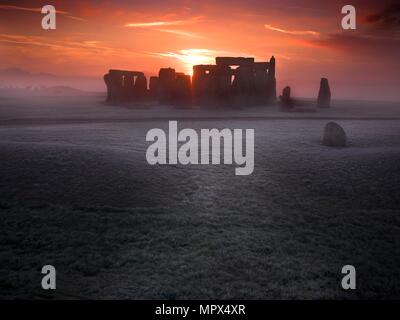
(183, 91)
(140, 88)
(324, 95)
(153, 87)
(334, 135)
(128, 86)
(166, 85)
(286, 100)
(107, 80)
(272, 79)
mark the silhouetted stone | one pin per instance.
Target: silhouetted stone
(128, 86)
(204, 84)
(324, 95)
(243, 87)
(334, 135)
(153, 87)
(183, 91)
(271, 88)
(232, 81)
(234, 61)
(107, 80)
(166, 83)
(221, 85)
(286, 100)
(261, 82)
(140, 88)
(114, 82)
(121, 85)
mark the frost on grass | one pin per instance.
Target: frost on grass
(82, 198)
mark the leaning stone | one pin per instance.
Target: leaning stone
(334, 135)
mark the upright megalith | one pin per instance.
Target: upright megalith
(121, 86)
(243, 86)
(153, 88)
(334, 135)
(173, 88)
(128, 85)
(271, 80)
(324, 95)
(183, 91)
(166, 85)
(286, 99)
(107, 81)
(140, 87)
(204, 84)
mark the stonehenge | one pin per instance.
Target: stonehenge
(234, 81)
(231, 81)
(169, 87)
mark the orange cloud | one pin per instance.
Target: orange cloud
(152, 24)
(293, 32)
(180, 33)
(8, 7)
(29, 9)
(64, 46)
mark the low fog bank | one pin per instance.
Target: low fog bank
(16, 81)
(15, 78)
(65, 105)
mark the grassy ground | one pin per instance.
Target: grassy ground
(82, 197)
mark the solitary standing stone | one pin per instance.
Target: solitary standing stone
(324, 95)
(286, 100)
(334, 135)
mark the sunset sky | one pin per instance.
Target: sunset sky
(305, 36)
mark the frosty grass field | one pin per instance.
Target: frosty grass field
(76, 192)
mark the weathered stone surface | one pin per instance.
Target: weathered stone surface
(324, 95)
(334, 135)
